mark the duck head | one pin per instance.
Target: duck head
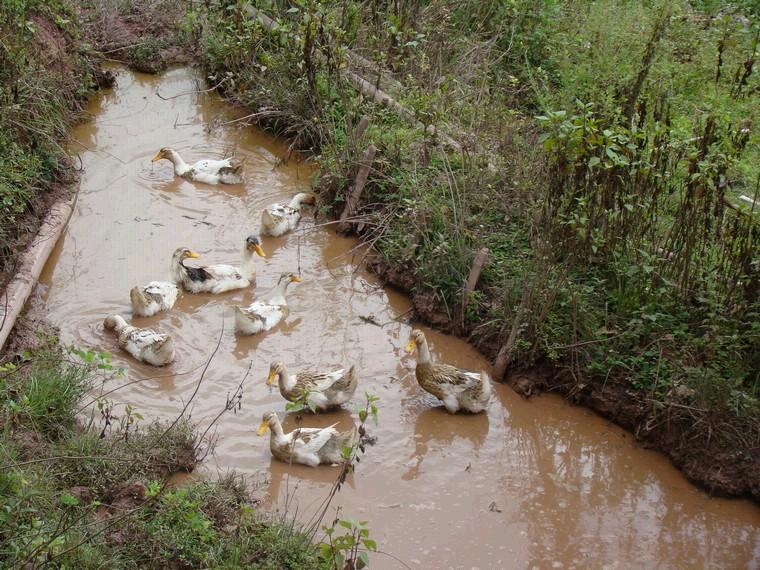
(268, 421)
(183, 253)
(253, 245)
(275, 369)
(415, 339)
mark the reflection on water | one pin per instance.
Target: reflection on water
(530, 483)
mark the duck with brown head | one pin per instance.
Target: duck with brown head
(458, 389)
(279, 219)
(324, 390)
(153, 298)
(145, 345)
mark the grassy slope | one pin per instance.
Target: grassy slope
(606, 265)
(44, 77)
(96, 494)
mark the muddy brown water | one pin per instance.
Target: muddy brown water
(536, 483)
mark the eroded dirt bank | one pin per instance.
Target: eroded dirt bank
(531, 482)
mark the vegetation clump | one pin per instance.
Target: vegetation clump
(96, 490)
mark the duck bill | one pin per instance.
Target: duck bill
(263, 428)
(410, 346)
(295, 279)
(157, 157)
(257, 248)
(193, 255)
(270, 378)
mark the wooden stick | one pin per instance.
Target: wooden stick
(504, 357)
(359, 131)
(472, 281)
(358, 186)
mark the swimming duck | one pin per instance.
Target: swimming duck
(154, 297)
(227, 171)
(308, 446)
(145, 345)
(216, 278)
(325, 389)
(261, 316)
(279, 219)
(458, 389)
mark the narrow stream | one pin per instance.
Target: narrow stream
(536, 483)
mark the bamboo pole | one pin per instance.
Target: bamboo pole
(30, 266)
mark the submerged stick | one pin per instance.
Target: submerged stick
(358, 187)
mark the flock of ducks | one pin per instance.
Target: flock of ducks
(459, 390)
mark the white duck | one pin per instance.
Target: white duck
(153, 298)
(145, 345)
(263, 315)
(279, 219)
(216, 278)
(227, 171)
(308, 446)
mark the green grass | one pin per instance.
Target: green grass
(75, 492)
(41, 88)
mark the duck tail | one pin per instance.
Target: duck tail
(243, 324)
(487, 386)
(138, 298)
(353, 379)
(166, 349)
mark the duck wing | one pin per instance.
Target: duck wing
(453, 379)
(221, 272)
(315, 439)
(231, 166)
(143, 338)
(208, 166)
(321, 381)
(268, 314)
(160, 290)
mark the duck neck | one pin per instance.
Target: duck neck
(178, 270)
(287, 382)
(180, 166)
(248, 267)
(277, 434)
(298, 200)
(121, 324)
(424, 353)
(277, 294)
